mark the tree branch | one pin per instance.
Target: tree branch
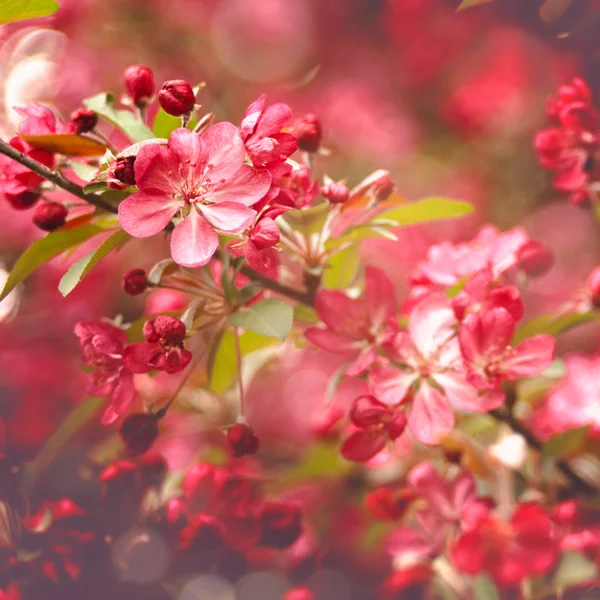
(97, 200)
(580, 484)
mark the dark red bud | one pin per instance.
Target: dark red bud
(85, 120)
(118, 479)
(138, 432)
(139, 83)
(204, 535)
(241, 440)
(307, 130)
(176, 512)
(566, 513)
(593, 285)
(134, 282)
(123, 170)
(336, 193)
(299, 593)
(383, 188)
(165, 329)
(281, 524)
(50, 216)
(22, 200)
(397, 425)
(367, 411)
(177, 97)
(535, 258)
(153, 469)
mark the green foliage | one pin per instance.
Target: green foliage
(12, 11)
(470, 3)
(125, 120)
(83, 170)
(360, 232)
(573, 569)
(485, 589)
(83, 266)
(42, 250)
(308, 221)
(567, 442)
(549, 323)
(271, 318)
(434, 208)
(340, 269)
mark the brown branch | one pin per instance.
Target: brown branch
(97, 200)
(579, 484)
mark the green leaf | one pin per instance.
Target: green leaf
(551, 324)
(125, 120)
(84, 171)
(222, 363)
(323, 460)
(362, 232)
(485, 589)
(340, 269)
(470, 3)
(83, 266)
(12, 11)
(567, 442)
(573, 569)
(271, 317)
(308, 221)
(426, 210)
(164, 123)
(42, 250)
(74, 421)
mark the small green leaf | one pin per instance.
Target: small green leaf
(485, 589)
(83, 266)
(573, 569)
(125, 120)
(307, 221)
(567, 442)
(359, 233)
(426, 210)
(271, 318)
(12, 11)
(340, 269)
(470, 3)
(164, 123)
(83, 170)
(42, 250)
(550, 323)
(96, 186)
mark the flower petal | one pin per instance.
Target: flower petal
(466, 397)
(531, 357)
(191, 152)
(339, 312)
(380, 299)
(193, 241)
(225, 150)
(123, 394)
(390, 385)
(145, 214)
(363, 445)
(156, 169)
(139, 356)
(331, 341)
(232, 217)
(431, 416)
(430, 323)
(245, 186)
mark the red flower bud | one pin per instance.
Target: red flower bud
(85, 120)
(198, 485)
(383, 188)
(307, 130)
(566, 513)
(176, 512)
(367, 411)
(397, 425)
(535, 258)
(118, 479)
(169, 331)
(299, 593)
(139, 82)
(592, 284)
(138, 432)
(281, 524)
(177, 97)
(241, 440)
(134, 282)
(22, 200)
(204, 535)
(153, 468)
(123, 170)
(50, 216)
(389, 505)
(336, 193)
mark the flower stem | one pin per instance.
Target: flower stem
(238, 358)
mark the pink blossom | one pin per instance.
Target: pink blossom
(201, 178)
(485, 344)
(40, 120)
(258, 248)
(427, 362)
(354, 327)
(103, 347)
(261, 131)
(163, 349)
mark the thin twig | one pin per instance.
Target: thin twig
(563, 466)
(97, 200)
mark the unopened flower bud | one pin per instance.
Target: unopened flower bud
(383, 188)
(299, 593)
(50, 216)
(165, 329)
(139, 82)
(397, 425)
(307, 130)
(85, 120)
(138, 432)
(281, 524)
(118, 479)
(535, 258)
(367, 411)
(177, 97)
(592, 284)
(153, 469)
(265, 234)
(241, 440)
(336, 193)
(204, 535)
(134, 282)
(22, 200)
(123, 170)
